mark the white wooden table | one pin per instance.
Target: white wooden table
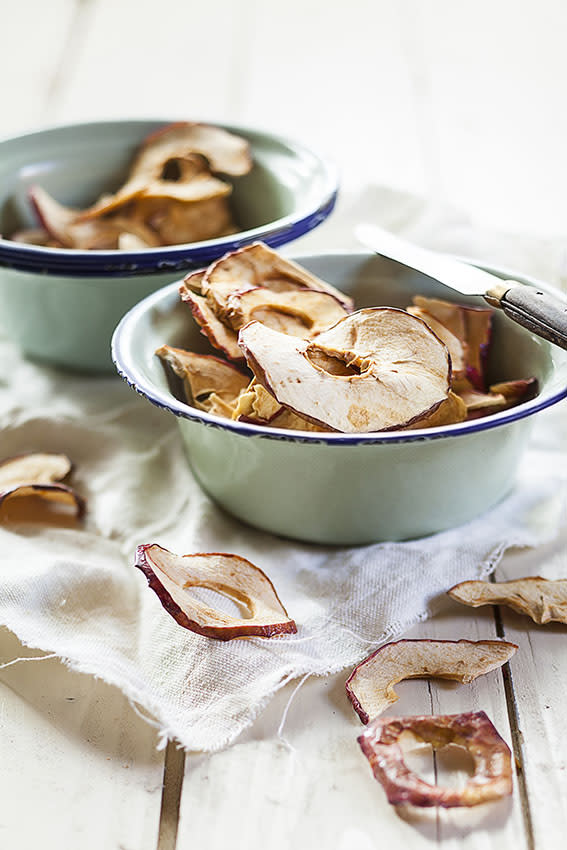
(464, 105)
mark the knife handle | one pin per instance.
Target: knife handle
(544, 315)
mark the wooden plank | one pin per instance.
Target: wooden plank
(146, 59)
(79, 767)
(539, 677)
(312, 787)
(491, 76)
(33, 36)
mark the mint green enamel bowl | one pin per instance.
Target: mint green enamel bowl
(61, 306)
(339, 488)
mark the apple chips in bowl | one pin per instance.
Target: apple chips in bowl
(94, 217)
(311, 419)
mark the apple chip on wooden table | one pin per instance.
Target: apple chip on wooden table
(370, 687)
(544, 600)
(492, 778)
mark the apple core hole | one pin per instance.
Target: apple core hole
(451, 766)
(330, 364)
(222, 602)
(171, 170)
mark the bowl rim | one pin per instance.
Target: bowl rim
(190, 255)
(129, 372)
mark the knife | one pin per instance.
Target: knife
(543, 314)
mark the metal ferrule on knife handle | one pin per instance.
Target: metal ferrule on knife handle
(535, 310)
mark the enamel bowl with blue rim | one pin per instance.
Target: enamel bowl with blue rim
(62, 305)
(349, 488)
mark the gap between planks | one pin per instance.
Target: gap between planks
(173, 771)
(516, 735)
(71, 47)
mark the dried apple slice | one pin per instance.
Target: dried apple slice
(225, 152)
(189, 151)
(492, 777)
(544, 600)
(471, 325)
(453, 343)
(481, 404)
(257, 406)
(206, 379)
(57, 219)
(450, 412)
(500, 397)
(202, 187)
(516, 392)
(399, 370)
(39, 474)
(255, 266)
(370, 687)
(65, 226)
(177, 222)
(173, 578)
(304, 313)
(192, 282)
(219, 335)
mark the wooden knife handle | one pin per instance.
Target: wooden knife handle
(543, 314)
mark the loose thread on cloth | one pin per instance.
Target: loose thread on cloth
(280, 735)
(163, 735)
(31, 658)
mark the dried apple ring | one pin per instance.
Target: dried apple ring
(397, 370)
(173, 577)
(256, 266)
(370, 687)
(39, 474)
(492, 777)
(544, 600)
(301, 312)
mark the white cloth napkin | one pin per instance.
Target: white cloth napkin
(75, 592)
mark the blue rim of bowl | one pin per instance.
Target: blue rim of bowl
(165, 400)
(177, 258)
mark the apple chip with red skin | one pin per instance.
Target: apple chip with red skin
(303, 312)
(257, 266)
(225, 152)
(39, 474)
(210, 383)
(370, 687)
(175, 163)
(256, 406)
(219, 334)
(397, 370)
(492, 777)
(173, 578)
(544, 600)
(472, 326)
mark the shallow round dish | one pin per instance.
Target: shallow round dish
(62, 305)
(349, 488)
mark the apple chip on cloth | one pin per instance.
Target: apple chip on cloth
(76, 592)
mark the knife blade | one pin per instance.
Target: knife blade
(540, 312)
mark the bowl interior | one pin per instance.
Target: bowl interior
(373, 281)
(78, 163)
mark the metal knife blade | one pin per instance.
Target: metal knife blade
(448, 271)
(541, 312)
